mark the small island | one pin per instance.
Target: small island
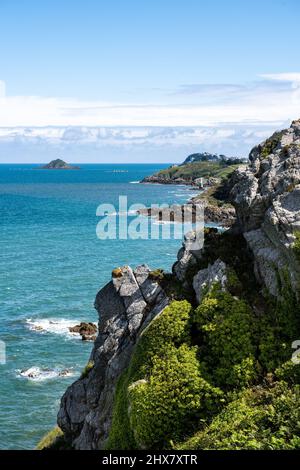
(59, 164)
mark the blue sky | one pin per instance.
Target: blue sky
(227, 72)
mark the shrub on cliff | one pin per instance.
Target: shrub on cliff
(225, 334)
(53, 440)
(162, 393)
(169, 328)
(296, 245)
(260, 418)
(188, 365)
(172, 399)
(279, 327)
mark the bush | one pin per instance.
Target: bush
(54, 439)
(289, 372)
(87, 369)
(265, 419)
(171, 327)
(271, 144)
(296, 245)
(279, 327)
(173, 398)
(191, 371)
(162, 393)
(225, 329)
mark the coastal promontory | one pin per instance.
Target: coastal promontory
(203, 357)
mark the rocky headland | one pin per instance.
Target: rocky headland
(215, 190)
(201, 358)
(198, 170)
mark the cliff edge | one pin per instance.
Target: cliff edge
(201, 357)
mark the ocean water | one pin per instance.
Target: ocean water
(51, 266)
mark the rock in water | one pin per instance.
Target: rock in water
(59, 164)
(87, 331)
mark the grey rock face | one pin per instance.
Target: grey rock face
(189, 254)
(266, 196)
(125, 306)
(205, 279)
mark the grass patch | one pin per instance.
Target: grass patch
(87, 369)
(54, 439)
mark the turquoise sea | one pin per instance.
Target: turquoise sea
(51, 266)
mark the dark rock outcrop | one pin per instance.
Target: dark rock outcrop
(223, 216)
(126, 305)
(87, 331)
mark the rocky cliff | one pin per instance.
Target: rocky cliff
(180, 357)
(125, 305)
(267, 200)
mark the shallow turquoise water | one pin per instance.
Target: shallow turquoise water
(51, 266)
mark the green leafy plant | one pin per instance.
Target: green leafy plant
(87, 369)
(260, 418)
(225, 328)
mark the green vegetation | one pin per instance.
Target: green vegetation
(225, 327)
(218, 375)
(279, 327)
(163, 386)
(174, 397)
(296, 245)
(192, 171)
(157, 275)
(271, 144)
(218, 194)
(87, 369)
(53, 440)
(260, 418)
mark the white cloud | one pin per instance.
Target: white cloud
(275, 97)
(293, 77)
(232, 139)
(225, 118)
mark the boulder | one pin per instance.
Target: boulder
(189, 254)
(206, 278)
